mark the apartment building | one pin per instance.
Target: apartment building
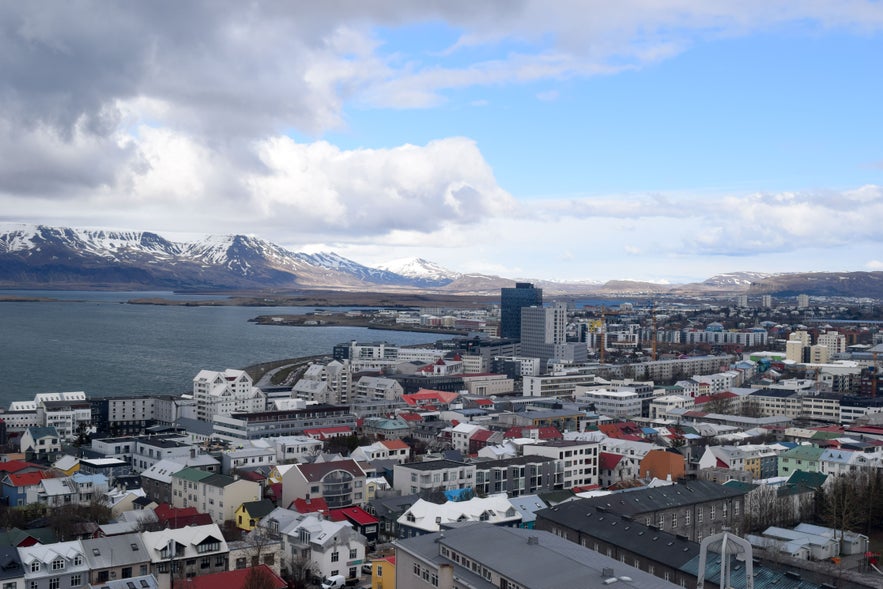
(183, 553)
(416, 477)
(268, 424)
(224, 393)
(576, 461)
(521, 475)
(218, 495)
(341, 483)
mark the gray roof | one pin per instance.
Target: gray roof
(517, 553)
(646, 500)
(10, 563)
(114, 551)
(433, 464)
(621, 531)
(142, 582)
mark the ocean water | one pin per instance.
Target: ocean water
(95, 342)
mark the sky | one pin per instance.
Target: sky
(658, 140)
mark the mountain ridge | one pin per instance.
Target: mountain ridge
(40, 256)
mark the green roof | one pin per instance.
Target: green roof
(192, 474)
(803, 453)
(807, 479)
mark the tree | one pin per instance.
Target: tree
(300, 571)
(719, 403)
(258, 577)
(842, 509)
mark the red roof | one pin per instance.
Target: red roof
(608, 461)
(483, 402)
(706, 398)
(27, 479)
(426, 395)
(395, 445)
(235, 579)
(356, 515)
(16, 465)
(482, 435)
(411, 416)
(309, 506)
(180, 517)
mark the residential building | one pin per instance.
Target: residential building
(234, 460)
(53, 566)
(563, 384)
(248, 515)
(340, 483)
(325, 382)
(375, 388)
(521, 475)
(425, 517)
(41, 443)
(184, 553)
(431, 475)
(218, 495)
(11, 570)
(116, 557)
(483, 555)
(331, 548)
(383, 573)
(576, 461)
(268, 424)
(79, 489)
(225, 393)
(804, 457)
(613, 403)
(122, 416)
(695, 509)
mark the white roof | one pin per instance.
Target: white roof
(493, 509)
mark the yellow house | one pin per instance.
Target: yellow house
(250, 513)
(383, 573)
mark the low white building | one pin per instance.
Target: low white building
(425, 517)
(613, 403)
(660, 406)
(332, 548)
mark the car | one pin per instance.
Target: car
(366, 568)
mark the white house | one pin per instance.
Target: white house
(223, 393)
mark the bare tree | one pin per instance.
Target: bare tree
(842, 509)
(258, 578)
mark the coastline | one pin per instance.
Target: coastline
(344, 320)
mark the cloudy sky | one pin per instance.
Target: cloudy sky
(664, 140)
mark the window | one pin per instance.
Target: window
(241, 563)
(127, 573)
(35, 566)
(76, 580)
(335, 556)
(11, 585)
(58, 564)
(353, 553)
(54, 583)
(674, 520)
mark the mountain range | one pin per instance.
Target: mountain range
(39, 256)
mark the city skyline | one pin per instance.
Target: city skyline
(659, 141)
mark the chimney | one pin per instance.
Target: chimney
(446, 576)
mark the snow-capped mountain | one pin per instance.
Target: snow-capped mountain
(338, 263)
(429, 273)
(735, 279)
(38, 255)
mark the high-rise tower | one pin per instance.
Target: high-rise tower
(512, 300)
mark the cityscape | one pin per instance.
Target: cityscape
(666, 443)
(441, 295)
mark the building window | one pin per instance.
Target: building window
(353, 553)
(54, 583)
(76, 580)
(35, 566)
(335, 556)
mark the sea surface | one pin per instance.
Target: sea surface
(95, 342)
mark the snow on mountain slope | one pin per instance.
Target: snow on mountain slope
(420, 268)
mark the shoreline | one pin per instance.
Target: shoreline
(343, 320)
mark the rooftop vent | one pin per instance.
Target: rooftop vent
(607, 572)
(533, 540)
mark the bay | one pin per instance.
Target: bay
(97, 343)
